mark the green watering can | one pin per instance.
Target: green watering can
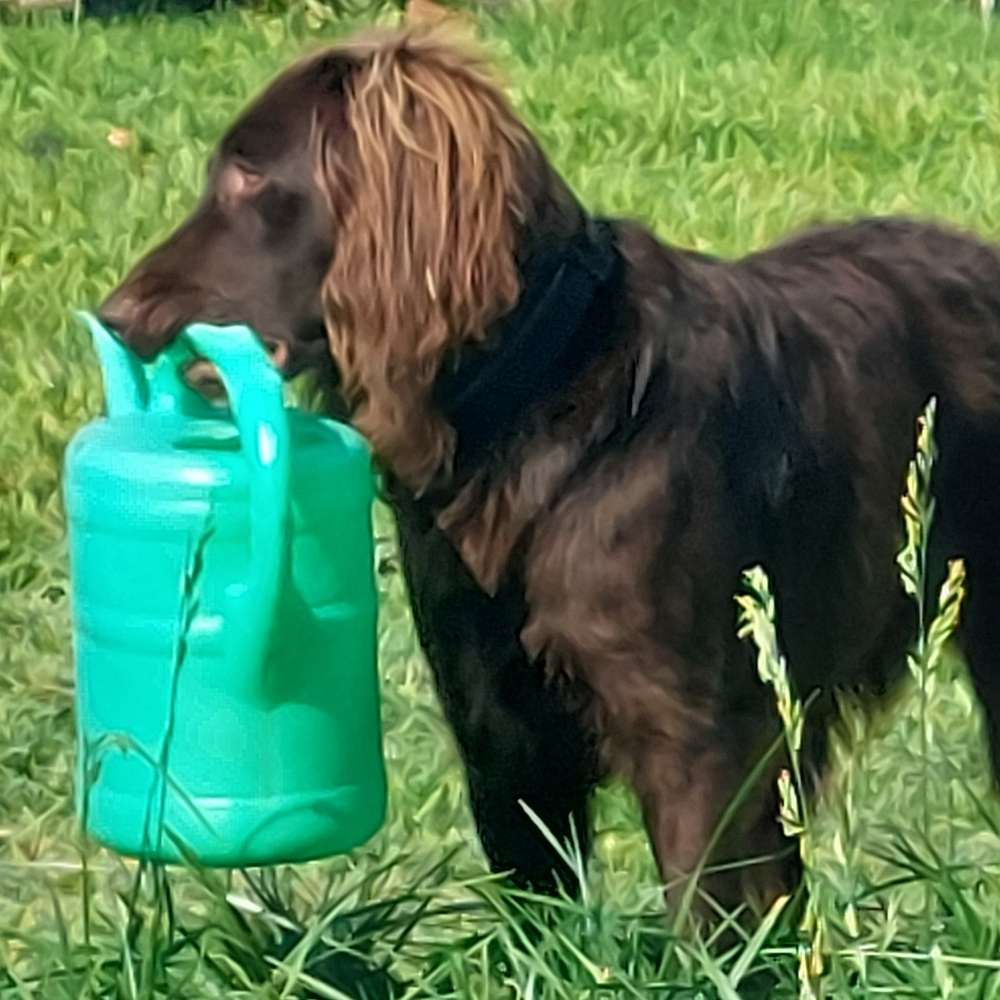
(224, 615)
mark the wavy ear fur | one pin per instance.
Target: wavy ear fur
(428, 200)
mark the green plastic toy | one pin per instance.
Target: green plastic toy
(224, 614)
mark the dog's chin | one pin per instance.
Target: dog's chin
(203, 377)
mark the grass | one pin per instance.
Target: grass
(723, 127)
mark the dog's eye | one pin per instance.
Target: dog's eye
(238, 182)
(249, 172)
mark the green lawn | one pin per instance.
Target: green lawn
(724, 126)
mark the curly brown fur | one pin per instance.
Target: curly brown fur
(433, 198)
(574, 591)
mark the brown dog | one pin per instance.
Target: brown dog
(588, 435)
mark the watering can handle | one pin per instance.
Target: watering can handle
(256, 397)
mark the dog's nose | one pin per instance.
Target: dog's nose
(119, 311)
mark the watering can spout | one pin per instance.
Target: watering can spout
(125, 386)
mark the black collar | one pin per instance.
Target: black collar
(562, 319)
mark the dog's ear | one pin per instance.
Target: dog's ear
(427, 194)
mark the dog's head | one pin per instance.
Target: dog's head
(369, 206)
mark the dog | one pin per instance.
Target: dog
(587, 436)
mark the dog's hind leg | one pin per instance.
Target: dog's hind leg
(980, 639)
(968, 490)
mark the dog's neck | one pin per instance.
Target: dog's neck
(559, 324)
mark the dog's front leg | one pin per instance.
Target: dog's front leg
(704, 770)
(643, 616)
(703, 824)
(519, 739)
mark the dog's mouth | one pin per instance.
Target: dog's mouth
(148, 319)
